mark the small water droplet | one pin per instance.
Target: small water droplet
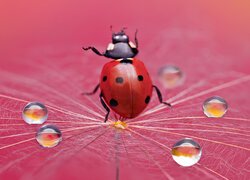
(170, 76)
(186, 152)
(49, 136)
(215, 107)
(35, 113)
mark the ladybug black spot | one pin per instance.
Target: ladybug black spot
(147, 99)
(113, 102)
(119, 80)
(140, 78)
(104, 78)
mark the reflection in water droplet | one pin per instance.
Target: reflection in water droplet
(49, 136)
(215, 107)
(186, 152)
(35, 113)
(170, 76)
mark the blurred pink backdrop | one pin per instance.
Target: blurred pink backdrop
(51, 33)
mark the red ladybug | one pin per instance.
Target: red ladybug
(125, 84)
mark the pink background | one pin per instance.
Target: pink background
(41, 59)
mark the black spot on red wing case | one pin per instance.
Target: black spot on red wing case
(147, 99)
(104, 78)
(119, 80)
(113, 103)
(140, 78)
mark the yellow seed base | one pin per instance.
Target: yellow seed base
(120, 124)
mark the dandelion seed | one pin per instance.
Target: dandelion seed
(120, 124)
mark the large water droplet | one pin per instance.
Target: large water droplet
(186, 152)
(170, 76)
(35, 113)
(49, 136)
(215, 107)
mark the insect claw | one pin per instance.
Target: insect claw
(168, 104)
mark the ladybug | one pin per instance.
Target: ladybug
(125, 84)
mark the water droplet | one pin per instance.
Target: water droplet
(170, 76)
(186, 152)
(35, 113)
(49, 136)
(215, 107)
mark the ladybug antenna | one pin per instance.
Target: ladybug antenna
(111, 29)
(123, 29)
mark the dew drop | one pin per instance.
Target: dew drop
(186, 152)
(49, 136)
(215, 107)
(170, 76)
(35, 113)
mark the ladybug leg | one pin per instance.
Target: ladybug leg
(105, 106)
(160, 96)
(93, 92)
(134, 47)
(93, 49)
(136, 40)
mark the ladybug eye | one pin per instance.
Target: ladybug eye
(124, 36)
(117, 37)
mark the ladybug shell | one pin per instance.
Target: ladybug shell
(126, 86)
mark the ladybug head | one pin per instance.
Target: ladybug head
(120, 37)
